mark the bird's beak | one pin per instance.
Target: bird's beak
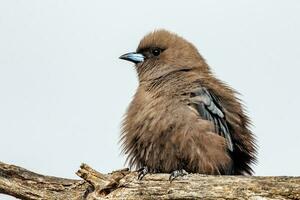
(133, 57)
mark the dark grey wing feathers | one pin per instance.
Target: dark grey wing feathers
(209, 108)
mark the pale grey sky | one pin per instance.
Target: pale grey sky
(63, 90)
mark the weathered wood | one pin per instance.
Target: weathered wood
(23, 184)
(122, 184)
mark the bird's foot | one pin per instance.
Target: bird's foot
(142, 172)
(177, 173)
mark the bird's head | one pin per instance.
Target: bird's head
(161, 52)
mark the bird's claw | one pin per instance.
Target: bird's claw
(142, 172)
(177, 173)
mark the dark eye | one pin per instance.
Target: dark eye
(156, 51)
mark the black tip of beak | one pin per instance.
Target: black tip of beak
(123, 57)
(133, 57)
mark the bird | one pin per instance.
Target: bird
(182, 118)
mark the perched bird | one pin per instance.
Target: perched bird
(182, 118)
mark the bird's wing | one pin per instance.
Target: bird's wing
(209, 108)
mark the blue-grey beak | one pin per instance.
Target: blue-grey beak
(133, 57)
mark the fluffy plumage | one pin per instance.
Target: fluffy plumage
(182, 117)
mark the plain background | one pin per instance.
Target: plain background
(63, 90)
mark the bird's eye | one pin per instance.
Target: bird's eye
(156, 51)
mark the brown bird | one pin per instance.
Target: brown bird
(182, 118)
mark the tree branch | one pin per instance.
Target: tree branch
(123, 184)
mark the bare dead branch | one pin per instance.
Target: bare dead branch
(123, 184)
